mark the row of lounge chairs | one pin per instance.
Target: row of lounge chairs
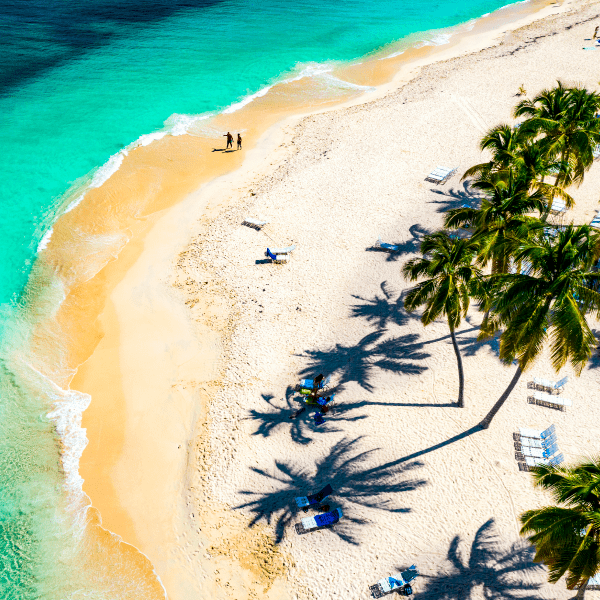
(399, 582)
(536, 447)
(544, 393)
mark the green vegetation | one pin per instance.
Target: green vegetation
(535, 282)
(567, 537)
(451, 278)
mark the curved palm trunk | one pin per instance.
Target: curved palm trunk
(488, 418)
(461, 375)
(581, 591)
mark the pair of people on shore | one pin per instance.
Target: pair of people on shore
(230, 140)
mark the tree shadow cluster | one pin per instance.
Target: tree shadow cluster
(456, 197)
(410, 246)
(354, 484)
(500, 573)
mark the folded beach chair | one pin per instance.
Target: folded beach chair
(277, 258)
(537, 433)
(596, 221)
(389, 247)
(286, 250)
(314, 499)
(558, 206)
(319, 521)
(254, 223)
(544, 399)
(397, 582)
(553, 385)
(440, 175)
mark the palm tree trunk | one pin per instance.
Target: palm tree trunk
(461, 375)
(581, 591)
(488, 418)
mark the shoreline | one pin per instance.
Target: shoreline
(118, 274)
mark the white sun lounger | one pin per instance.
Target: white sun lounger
(558, 206)
(389, 247)
(533, 462)
(540, 434)
(596, 221)
(286, 250)
(544, 399)
(440, 174)
(256, 223)
(277, 258)
(553, 385)
(596, 152)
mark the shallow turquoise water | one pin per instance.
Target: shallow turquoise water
(78, 82)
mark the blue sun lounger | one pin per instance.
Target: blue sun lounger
(310, 383)
(277, 258)
(558, 206)
(314, 499)
(397, 582)
(596, 221)
(388, 247)
(537, 433)
(319, 521)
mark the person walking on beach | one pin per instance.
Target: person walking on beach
(239, 142)
(229, 139)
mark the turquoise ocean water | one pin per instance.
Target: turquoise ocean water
(79, 81)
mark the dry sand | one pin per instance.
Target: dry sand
(204, 360)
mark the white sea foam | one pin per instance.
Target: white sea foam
(45, 239)
(238, 105)
(148, 138)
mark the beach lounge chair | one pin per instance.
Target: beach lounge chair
(254, 223)
(388, 247)
(537, 433)
(286, 250)
(552, 385)
(314, 499)
(596, 150)
(558, 206)
(594, 582)
(537, 443)
(277, 258)
(396, 582)
(321, 521)
(555, 461)
(548, 400)
(595, 223)
(440, 175)
(310, 383)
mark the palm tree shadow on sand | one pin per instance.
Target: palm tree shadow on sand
(353, 484)
(292, 415)
(357, 362)
(500, 573)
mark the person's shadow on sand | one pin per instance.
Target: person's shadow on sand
(224, 150)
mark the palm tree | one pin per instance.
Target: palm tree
(564, 118)
(505, 209)
(567, 538)
(450, 275)
(548, 303)
(518, 155)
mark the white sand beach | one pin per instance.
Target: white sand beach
(209, 340)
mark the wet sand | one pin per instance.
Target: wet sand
(155, 365)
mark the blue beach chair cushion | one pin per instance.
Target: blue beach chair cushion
(328, 518)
